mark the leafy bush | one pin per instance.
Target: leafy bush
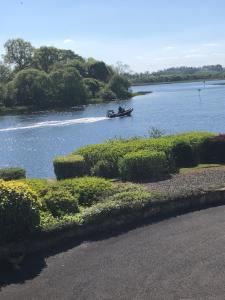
(107, 95)
(104, 168)
(12, 173)
(143, 165)
(40, 186)
(19, 211)
(213, 150)
(184, 155)
(69, 166)
(59, 201)
(88, 189)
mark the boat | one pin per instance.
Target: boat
(124, 113)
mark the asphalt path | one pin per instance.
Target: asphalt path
(179, 258)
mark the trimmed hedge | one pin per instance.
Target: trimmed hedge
(213, 150)
(19, 211)
(143, 165)
(69, 166)
(59, 202)
(12, 173)
(184, 155)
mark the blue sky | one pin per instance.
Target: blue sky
(146, 34)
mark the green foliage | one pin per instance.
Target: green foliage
(18, 53)
(12, 173)
(40, 186)
(5, 73)
(32, 87)
(155, 132)
(119, 85)
(184, 155)
(104, 168)
(88, 189)
(58, 201)
(67, 87)
(19, 211)
(213, 150)
(69, 166)
(92, 85)
(45, 57)
(98, 70)
(143, 165)
(107, 95)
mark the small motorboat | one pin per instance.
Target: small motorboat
(123, 113)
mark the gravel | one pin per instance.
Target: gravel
(181, 183)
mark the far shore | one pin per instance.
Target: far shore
(177, 81)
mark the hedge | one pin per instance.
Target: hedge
(12, 173)
(69, 166)
(143, 165)
(102, 159)
(19, 211)
(213, 150)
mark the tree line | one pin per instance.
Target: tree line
(178, 74)
(50, 77)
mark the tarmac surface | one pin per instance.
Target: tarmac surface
(179, 258)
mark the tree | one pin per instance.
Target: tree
(121, 68)
(119, 85)
(45, 57)
(78, 65)
(18, 53)
(92, 85)
(98, 70)
(5, 73)
(32, 88)
(67, 87)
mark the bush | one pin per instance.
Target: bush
(104, 168)
(59, 202)
(12, 173)
(88, 189)
(40, 186)
(213, 150)
(19, 211)
(143, 165)
(184, 155)
(69, 166)
(107, 95)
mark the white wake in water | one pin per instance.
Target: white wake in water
(56, 123)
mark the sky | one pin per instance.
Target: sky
(148, 35)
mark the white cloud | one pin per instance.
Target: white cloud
(170, 48)
(211, 45)
(68, 41)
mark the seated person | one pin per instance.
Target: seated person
(120, 109)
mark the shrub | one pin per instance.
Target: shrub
(12, 173)
(19, 211)
(143, 165)
(88, 189)
(184, 155)
(104, 168)
(107, 95)
(59, 202)
(69, 166)
(40, 186)
(213, 150)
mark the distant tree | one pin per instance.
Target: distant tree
(119, 85)
(5, 73)
(68, 87)
(19, 53)
(45, 57)
(121, 68)
(79, 65)
(93, 85)
(98, 70)
(32, 88)
(65, 55)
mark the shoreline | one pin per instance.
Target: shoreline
(176, 81)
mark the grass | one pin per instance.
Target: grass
(141, 93)
(199, 168)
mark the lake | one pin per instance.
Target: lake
(32, 141)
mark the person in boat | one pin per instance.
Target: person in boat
(120, 109)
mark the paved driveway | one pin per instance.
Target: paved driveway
(179, 258)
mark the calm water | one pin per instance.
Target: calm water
(32, 141)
